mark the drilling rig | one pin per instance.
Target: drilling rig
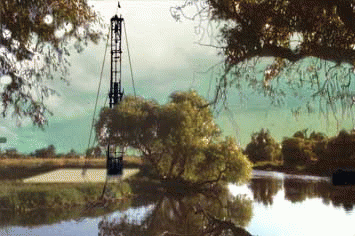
(115, 154)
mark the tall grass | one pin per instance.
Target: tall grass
(24, 197)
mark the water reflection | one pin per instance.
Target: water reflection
(264, 189)
(265, 206)
(184, 215)
(299, 189)
(45, 216)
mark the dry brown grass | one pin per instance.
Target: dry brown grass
(19, 168)
(63, 162)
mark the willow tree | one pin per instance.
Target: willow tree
(36, 37)
(307, 44)
(180, 139)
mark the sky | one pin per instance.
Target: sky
(166, 57)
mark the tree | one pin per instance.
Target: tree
(301, 149)
(11, 153)
(263, 147)
(180, 139)
(306, 44)
(48, 152)
(36, 37)
(93, 152)
(265, 28)
(338, 151)
(72, 154)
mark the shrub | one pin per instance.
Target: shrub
(263, 147)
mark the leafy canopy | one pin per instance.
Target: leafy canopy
(36, 37)
(265, 28)
(308, 44)
(179, 139)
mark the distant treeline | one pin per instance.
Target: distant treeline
(301, 149)
(313, 150)
(50, 152)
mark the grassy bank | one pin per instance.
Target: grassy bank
(34, 204)
(65, 162)
(315, 170)
(30, 204)
(16, 196)
(19, 168)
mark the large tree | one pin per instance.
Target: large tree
(35, 39)
(179, 139)
(307, 44)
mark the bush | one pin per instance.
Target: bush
(263, 148)
(298, 151)
(337, 151)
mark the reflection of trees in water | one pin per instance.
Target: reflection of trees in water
(298, 191)
(264, 189)
(31, 209)
(190, 215)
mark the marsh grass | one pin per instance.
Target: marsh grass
(64, 162)
(26, 197)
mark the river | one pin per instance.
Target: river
(271, 203)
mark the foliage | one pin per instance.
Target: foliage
(93, 152)
(264, 28)
(301, 149)
(340, 148)
(263, 147)
(297, 151)
(179, 139)
(48, 152)
(72, 154)
(11, 153)
(35, 39)
(276, 47)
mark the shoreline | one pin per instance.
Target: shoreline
(292, 171)
(12, 169)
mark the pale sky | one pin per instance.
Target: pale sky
(165, 58)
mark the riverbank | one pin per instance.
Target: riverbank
(19, 197)
(12, 169)
(37, 183)
(312, 170)
(18, 168)
(36, 204)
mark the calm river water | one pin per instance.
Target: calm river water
(271, 204)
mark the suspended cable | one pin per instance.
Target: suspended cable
(129, 58)
(98, 93)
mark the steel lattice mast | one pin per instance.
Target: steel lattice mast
(114, 157)
(116, 92)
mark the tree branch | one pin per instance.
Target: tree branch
(334, 54)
